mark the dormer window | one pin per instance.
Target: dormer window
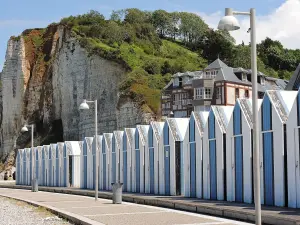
(262, 81)
(244, 77)
(211, 74)
(180, 81)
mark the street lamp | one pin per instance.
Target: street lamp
(230, 23)
(33, 180)
(84, 106)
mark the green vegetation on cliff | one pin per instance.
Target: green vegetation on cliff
(154, 45)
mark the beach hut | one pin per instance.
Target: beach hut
(72, 163)
(128, 145)
(293, 150)
(214, 153)
(45, 165)
(93, 164)
(138, 156)
(38, 163)
(87, 164)
(171, 174)
(193, 155)
(105, 159)
(116, 155)
(19, 167)
(151, 157)
(59, 173)
(239, 153)
(274, 113)
(28, 160)
(51, 165)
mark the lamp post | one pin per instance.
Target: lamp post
(85, 106)
(33, 179)
(230, 23)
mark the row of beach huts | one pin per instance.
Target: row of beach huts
(208, 155)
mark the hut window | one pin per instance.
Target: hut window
(237, 93)
(244, 77)
(246, 93)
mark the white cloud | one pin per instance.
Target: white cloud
(281, 24)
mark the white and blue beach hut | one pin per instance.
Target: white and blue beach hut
(98, 144)
(293, 154)
(52, 166)
(214, 153)
(128, 145)
(105, 159)
(72, 163)
(86, 163)
(45, 166)
(193, 155)
(138, 156)
(19, 167)
(274, 113)
(59, 178)
(239, 152)
(171, 175)
(151, 157)
(28, 166)
(116, 155)
(38, 163)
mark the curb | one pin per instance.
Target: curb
(222, 212)
(71, 217)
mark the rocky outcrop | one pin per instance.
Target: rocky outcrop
(46, 76)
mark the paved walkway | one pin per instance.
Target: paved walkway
(235, 211)
(104, 212)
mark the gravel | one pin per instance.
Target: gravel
(19, 213)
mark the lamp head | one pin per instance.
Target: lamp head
(229, 23)
(24, 129)
(84, 105)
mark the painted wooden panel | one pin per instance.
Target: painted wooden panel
(125, 162)
(213, 169)
(193, 170)
(114, 162)
(151, 158)
(104, 164)
(167, 169)
(239, 186)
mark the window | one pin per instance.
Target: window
(246, 93)
(211, 74)
(237, 93)
(244, 77)
(180, 81)
(207, 93)
(218, 92)
(262, 81)
(198, 93)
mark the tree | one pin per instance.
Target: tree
(161, 21)
(117, 15)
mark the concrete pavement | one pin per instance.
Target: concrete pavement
(85, 210)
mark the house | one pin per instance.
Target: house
(217, 84)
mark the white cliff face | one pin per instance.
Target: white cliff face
(55, 93)
(12, 81)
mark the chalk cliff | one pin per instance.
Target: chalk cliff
(45, 77)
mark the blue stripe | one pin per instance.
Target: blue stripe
(237, 125)
(213, 169)
(167, 169)
(193, 170)
(166, 133)
(268, 168)
(192, 129)
(151, 158)
(298, 107)
(137, 171)
(238, 144)
(211, 125)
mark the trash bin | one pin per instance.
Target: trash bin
(35, 185)
(117, 193)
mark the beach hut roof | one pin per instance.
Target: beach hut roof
(222, 115)
(142, 129)
(157, 129)
(130, 135)
(118, 136)
(178, 127)
(200, 119)
(73, 147)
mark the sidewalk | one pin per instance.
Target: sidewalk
(85, 210)
(236, 211)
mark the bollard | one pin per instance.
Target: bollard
(117, 193)
(35, 185)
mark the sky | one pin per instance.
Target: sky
(277, 19)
